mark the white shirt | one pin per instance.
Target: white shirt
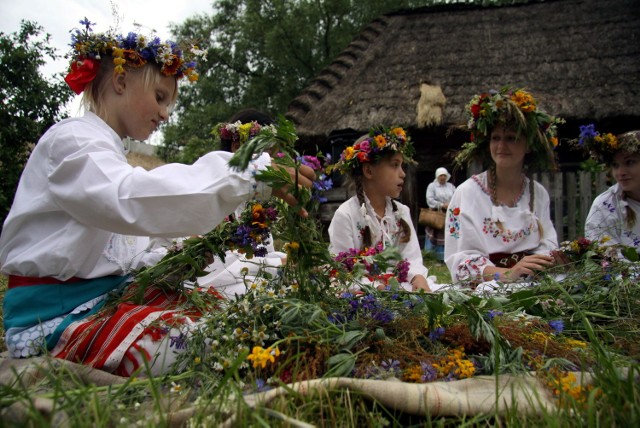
(472, 233)
(439, 194)
(81, 210)
(345, 231)
(608, 217)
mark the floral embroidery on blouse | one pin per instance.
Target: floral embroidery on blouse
(609, 206)
(454, 222)
(633, 237)
(490, 228)
(472, 268)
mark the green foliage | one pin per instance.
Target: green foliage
(29, 103)
(261, 54)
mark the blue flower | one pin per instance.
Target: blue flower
(493, 313)
(429, 374)
(557, 326)
(436, 334)
(587, 132)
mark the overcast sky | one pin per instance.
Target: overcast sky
(58, 17)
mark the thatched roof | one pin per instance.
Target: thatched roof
(580, 58)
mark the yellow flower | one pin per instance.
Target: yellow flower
(380, 141)
(604, 239)
(349, 152)
(412, 374)
(524, 101)
(573, 343)
(399, 132)
(243, 132)
(554, 141)
(291, 246)
(261, 356)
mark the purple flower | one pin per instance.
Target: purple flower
(436, 334)
(429, 374)
(587, 132)
(493, 313)
(557, 326)
(178, 342)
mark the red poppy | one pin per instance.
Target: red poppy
(456, 211)
(82, 72)
(363, 157)
(475, 110)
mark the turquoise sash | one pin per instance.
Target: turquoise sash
(30, 305)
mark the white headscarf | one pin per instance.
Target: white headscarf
(440, 171)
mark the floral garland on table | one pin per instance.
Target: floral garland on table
(488, 109)
(371, 149)
(603, 147)
(133, 50)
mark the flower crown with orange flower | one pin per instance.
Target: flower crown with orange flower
(133, 50)
(512, 107)
(371, 149)
(603, 147)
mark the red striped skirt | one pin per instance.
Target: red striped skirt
(102, 340)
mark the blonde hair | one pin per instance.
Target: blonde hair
(94, 92)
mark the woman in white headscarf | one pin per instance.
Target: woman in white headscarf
(439, 193)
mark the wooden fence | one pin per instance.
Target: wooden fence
(571, 195)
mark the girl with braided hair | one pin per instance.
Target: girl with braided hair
(498, 225)
(372, 217)
(614, 213)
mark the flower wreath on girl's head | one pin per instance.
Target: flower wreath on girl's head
(371, 149)
(511, 106)
(238, 132)
(133, 50)
(603, 147)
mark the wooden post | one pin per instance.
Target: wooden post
(571, 192)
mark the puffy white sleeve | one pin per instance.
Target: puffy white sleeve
(465, 249)
(343, 231)
(98, 188)
(604, 219)
(431, 196)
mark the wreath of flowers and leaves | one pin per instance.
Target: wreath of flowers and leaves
(133, 50)
(371, 149)
(513, 106)
(603, 147)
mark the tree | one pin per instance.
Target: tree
(29, 103)
(261, 54)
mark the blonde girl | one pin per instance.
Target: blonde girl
(83, 218)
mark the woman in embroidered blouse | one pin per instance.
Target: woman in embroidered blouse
(498, 224)
(614, 213)
(371, 216)
(439, 193)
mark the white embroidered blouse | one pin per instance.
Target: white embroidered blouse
(348, 223)
(608, 217)
(472, 232)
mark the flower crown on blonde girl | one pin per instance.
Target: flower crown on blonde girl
(133, 50)
(380, 142)
(603, 147)
(238, 132)
(511, 106)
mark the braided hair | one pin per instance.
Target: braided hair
(630, 213)
(355, 177)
